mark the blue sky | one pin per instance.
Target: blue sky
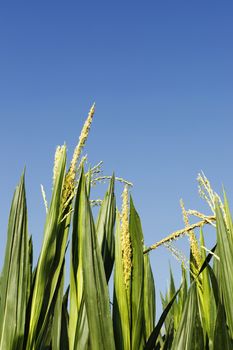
(161, 75)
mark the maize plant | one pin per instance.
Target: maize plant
(40, 309)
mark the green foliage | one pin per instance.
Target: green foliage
(15, 274)
(36, 313)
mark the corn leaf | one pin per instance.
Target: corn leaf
(172, 317)
(181, 299)
(105, 228)
(64, 339)
(44, 336)
(137, 282)
(57, 318)
(189, 334)
(95, 288)
(225, 252)
(15, 274)
(51, 259)
(81, 340)
(222, 339)
(205, 294)
(121, 307)
(78, 327)
(149, 298)
(214, 284)
(151, 342)
(228, 217)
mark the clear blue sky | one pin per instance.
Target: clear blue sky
(161, 75)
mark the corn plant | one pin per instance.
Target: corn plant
(41, 309)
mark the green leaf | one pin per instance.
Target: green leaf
(214, 284)
(228, 217)
(64, 339)
(44, 335)
(171, 319)
(82, 335)
(205, 294)
(174, 314)
(206, 259)
(56, 325)
(15, 274)
(137, 282)
(149, 298)
(221, 336)
(181, 299)
(121, 307)
(225, 253)
(150, 344)
(30, 269)
(189, 334)
(105, 228)
(95, 287)
(51, 258)
(78, 327)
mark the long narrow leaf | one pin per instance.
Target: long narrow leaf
(64, 339)
(225, 252)
(96, 296)
(15, 274)
(149, 298)
(150, 344)
(189, 334)
(51, 259)
(105, 228)
(121, 311)
(78, 327)
(137, 282)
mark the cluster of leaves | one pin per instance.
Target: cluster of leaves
(202, 313)
(35, 310)
(36, 313)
